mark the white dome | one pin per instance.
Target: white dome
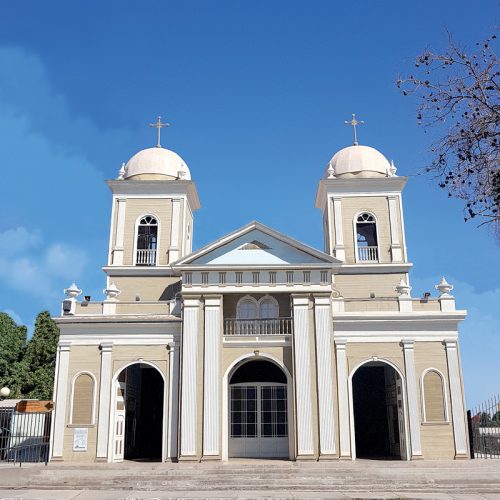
(157, 161)
(358, 161)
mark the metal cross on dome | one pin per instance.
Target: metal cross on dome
(159, 125)
(353, 122)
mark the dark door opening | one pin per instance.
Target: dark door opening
(378, 412)
(143, 413)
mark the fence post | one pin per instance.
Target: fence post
(471, 434)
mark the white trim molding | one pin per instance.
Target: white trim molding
(343, 398)
(412, 399)
(63, 352)
(457, 401)
(105, 388)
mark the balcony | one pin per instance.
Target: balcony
(146, 257)
(256, 327)
(367, 254)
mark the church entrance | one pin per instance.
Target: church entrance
(138, 414)
(378, 404)
(258, 411)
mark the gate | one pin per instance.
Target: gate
(484, 429)
(24, 436)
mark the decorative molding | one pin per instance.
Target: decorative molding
(338, 247)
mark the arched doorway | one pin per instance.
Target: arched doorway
(139, 401)
(379, 412)
(258, 411)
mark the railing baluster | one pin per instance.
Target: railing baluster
(256, 327)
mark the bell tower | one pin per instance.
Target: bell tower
(153, 203)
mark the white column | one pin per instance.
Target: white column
(339, 234)
(397, 254)
(322, 318)
(173, 251)
(189, 375)
(120, 232)
(412, 398)
(63, 350)
(343, 392)
(104, 400)
(173, 400)
(303, 385)
(211, 397)
(457, 399)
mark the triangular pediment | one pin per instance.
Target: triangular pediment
(256, 245)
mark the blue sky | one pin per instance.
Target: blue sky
(257, 93)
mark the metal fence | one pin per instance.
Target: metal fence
(484, 429)
(24, 437)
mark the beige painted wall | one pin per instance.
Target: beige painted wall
(437, 438)
(149, 288)
(137, 207)
(88, 359)
(376, 205)
(361, 285)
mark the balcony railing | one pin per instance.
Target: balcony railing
(146, 257)
(368, 254)
(276, 326)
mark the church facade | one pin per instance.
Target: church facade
(258, 345)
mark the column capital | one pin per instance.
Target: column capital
(408, 344)
(212, 300)
(106, 346)
(340, 344)
(300, 299)
(191, 300)
(322, 300)
(450, 343)
(64, 345)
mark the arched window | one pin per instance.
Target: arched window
(433, 396)
(82, 412)
(268, 308)
(147, 241)
(366, 238)
(247, 309)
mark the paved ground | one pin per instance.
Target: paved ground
(247, 479)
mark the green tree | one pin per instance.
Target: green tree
(12, 349)
(40, 358)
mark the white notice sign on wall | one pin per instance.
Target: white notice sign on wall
(80, 438)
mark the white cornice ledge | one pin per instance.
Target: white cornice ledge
(357, 317)
(122, 318)
(169, 188)
(400, 267)
(363, 186)
(139, 271)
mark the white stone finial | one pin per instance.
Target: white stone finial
(112, 291)
(73, 291)
(331, 171)
(444, 288)
(392, 169)
(403, 288)
(121, 173)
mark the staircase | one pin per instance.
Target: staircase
(258, 479)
